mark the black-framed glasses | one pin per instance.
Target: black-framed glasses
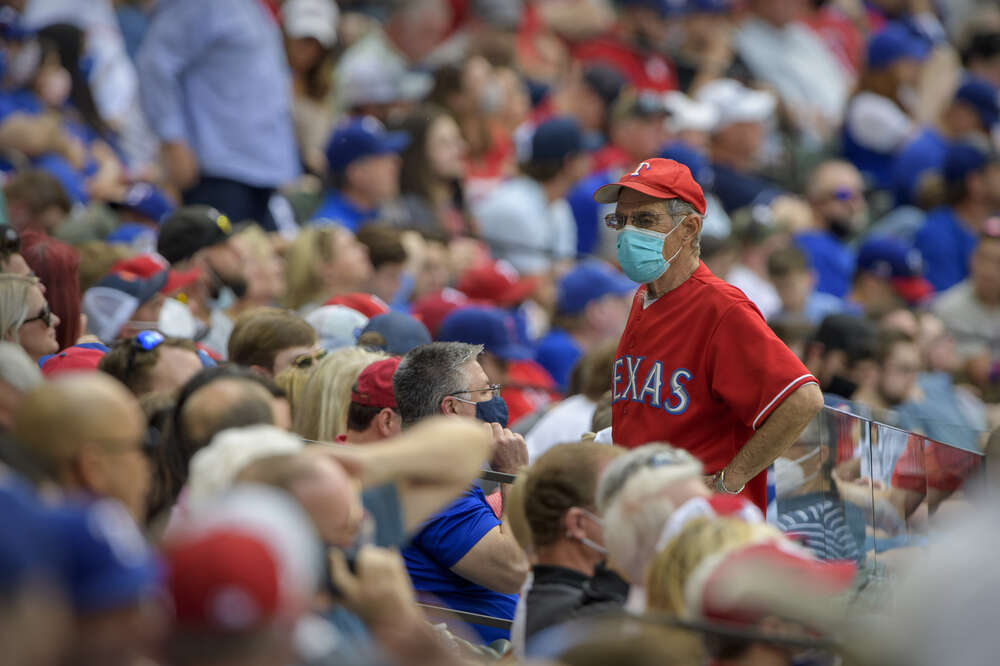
(492, 388)
(10, 241)
(144, 341)
(309, 358)
(640, 220)
(45, 316)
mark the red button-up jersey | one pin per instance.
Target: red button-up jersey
(700, 369)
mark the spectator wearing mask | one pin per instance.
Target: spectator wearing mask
(388, 257)
(18, 375)
(971, 309)
(557, 504)
(970, 117)
(268, 340)
(737, 144)
(201, 76)
(132, 298)
(784, 52)
(889, 275)
(591, 308)
(526, 220)
(789, 271)
(464, 556)
(25, 317)
(835, 193)
(362, 171)
(151, 363)
(949, 233)
(878, 121)
(310, 28)
(87, 431)
(198, 238)
(322, 263)
(373, 415)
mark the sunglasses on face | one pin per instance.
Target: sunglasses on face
(45, 316)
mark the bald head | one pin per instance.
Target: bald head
(224, 403)
(57, 418)
(832, 175)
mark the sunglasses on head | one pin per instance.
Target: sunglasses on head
(144, 341)
(307, 360)
(45, 316)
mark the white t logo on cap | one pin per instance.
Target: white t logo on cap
(644, 165)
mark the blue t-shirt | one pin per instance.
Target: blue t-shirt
(586, 211)
(558, 352)
(946, 246)
(832, 259)
(443, 541)
(924, 153)
(336, 208)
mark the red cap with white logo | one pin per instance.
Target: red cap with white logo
(659, 178)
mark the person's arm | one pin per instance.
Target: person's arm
(431, 463)
(496, 561)
(778, 432)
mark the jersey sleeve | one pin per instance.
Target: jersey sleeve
(751, 370)
(449, 535)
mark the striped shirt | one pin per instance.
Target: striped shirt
(821, 523)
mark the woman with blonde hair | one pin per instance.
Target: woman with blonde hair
(323, 262)
(320, 413)
(293, 379)
(25, 317)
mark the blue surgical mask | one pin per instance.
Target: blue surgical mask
(493, 410)
(640, 253)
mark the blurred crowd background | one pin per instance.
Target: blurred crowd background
(236, 232)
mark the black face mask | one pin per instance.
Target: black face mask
(842, 386)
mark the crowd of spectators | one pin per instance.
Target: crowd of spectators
(309, 317)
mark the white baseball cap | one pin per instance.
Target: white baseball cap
(311, 18)
(689, 114)
(735, 103)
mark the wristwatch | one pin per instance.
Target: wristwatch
(720, 484)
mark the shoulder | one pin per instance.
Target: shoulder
(716, 292)
(953, 299)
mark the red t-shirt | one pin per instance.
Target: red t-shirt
(700, 369)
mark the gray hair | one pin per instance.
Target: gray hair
(14, 290)
(17, 368)
(428, 374)
(678, 209)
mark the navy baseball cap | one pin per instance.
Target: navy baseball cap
(359, 138)
(903, 266)
(147, 200)
(895, 42)
(604, 80)
(961, 159)
(556, 138)
(490, 327)
(588, 282)
(983, 97)
(400, 331)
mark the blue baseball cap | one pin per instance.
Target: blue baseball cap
(983, 97)
(147, 200)
(556, 138)
(362, 137)
(400, 331)
(490, 327)
(891, 260)
(961, 159)
(895, 42)
(588, 282)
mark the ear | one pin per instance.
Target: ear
(448, 405)
(692, 225)
(571, 523)
(90, 469)
(383, 421)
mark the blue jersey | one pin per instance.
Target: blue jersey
(946, 246)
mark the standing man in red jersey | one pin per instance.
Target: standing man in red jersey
(697, 366)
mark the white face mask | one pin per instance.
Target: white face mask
(176, 320)
(789, 475)
(590, 543)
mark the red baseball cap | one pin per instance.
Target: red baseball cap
(151, 267)
(72, 359)
(374, 385)
(660, 178)
(498, 283)
(367, 304)
(225, 580)
(433, 308)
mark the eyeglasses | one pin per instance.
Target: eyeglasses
(492, 388)
(144, 341)
(640, 220)
(309, 358)
(45, 316)
(10, 242)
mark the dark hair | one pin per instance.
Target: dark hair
(415, 175)
(36, 190)
(180, 446)
(427, 374)
(956, 191)
(57, 265)
(137, 378)
(385, 245)
(544, 170)
(259, 335)
(782, 263)
(67, 40)
(981, 46)
(886, 341)
(359, 417)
